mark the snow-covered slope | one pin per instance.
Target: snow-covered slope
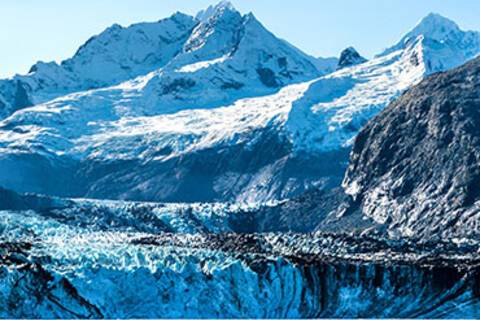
(117, 54)
(326, 65)
(216, 123)
(443, 45)
(340, 104)
(238, 50)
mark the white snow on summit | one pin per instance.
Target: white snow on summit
(204, 15)
(207, 99)
(443, 44)
(320, 115)
(246, 56)
(202, 64)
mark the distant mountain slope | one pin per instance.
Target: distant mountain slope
(344, 101)
(119, 54)
(219, 122)
(443, 45)
(416, 166)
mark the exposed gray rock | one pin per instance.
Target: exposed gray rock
(416, 166)
(350, 57)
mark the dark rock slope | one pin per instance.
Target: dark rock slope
(349, 57)
(416, 166)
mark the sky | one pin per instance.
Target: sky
(52, 30)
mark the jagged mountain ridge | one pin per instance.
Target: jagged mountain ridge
(119, 54)
(414, 167)
(115, 55)
(444, 44)
(131, 141)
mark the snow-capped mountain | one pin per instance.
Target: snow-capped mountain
(218, 122)
(442, 44)
(113, 56)
(241, 142)
(238, 49)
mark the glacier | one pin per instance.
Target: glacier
(66, 270)
(192, 167)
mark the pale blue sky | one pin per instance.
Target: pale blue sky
(32, 30)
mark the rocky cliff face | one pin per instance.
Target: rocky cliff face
(416, 166)
(349, 57)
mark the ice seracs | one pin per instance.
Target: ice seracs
(54, 265)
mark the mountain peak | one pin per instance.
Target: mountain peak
(179, 17)
(225, 4)
(216, 31)
(350, 57)
(434, 26)
(440, 33)
(214, 10)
